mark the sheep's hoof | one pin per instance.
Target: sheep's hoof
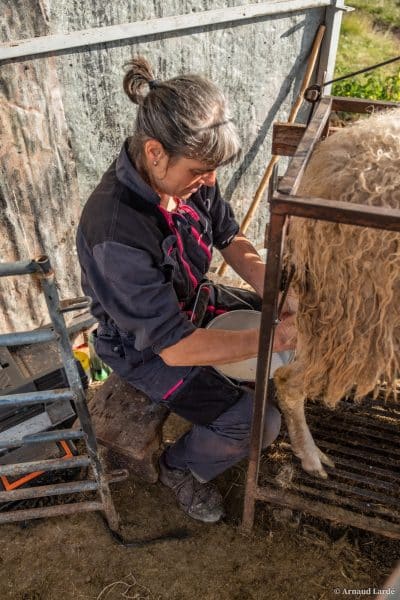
(326, 460)
(315, 470)
(313, 464)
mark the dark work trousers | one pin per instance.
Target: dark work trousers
(219, 408)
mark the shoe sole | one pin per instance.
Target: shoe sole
(208, 520)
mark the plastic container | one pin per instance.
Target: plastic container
(240, 320)
(83, 358)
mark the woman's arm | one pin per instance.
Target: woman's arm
(246, 262)
(219, 347)
(212, 347)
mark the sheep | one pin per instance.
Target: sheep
(347, 280)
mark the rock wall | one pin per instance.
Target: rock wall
(63, 117)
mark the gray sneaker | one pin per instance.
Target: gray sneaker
(201, 501)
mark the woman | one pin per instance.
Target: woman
(145, 242)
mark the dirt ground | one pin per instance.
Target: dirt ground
(289, 556)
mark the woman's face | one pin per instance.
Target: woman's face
(180, 177)
(184, 177)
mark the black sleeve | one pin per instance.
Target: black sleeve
(136, 296)
(223, 222)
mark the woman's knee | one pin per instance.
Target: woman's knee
(235, 424)
(272, 424)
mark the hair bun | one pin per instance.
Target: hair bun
(137, 79)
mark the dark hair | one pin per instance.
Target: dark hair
(188, 115)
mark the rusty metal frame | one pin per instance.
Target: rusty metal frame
(283, 203)
(41, 269)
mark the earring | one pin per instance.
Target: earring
(155, 163)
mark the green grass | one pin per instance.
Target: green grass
(368, 37)
(361, 45)
(384, 12)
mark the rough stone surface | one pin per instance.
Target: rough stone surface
(63, 117)
(129, 426)
(39, 206)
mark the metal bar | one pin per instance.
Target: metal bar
(387, 410)
(151, 27)
(359, 105)
(41, 266)
(356, 491)
(22, 267)
(379, 444)
(72, 304)
(384, 416)
(370, 445)
(340, 499)
(23, 338)
(52, 464)
(384, 453)
(359, 453)
(367, 467)
(58, 489)
(48, 511)
(354, 451)
(49, 436)
(297, 165)
(31, 398)
(351, 418)
(320, 509)
(337, 212)
(75, 383)
(393, 408)
(391, 486)
(333, 21)
(83, 322)
(391, 438)
(268, 318)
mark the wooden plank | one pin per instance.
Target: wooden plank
(337, 212)
(358, 105)
(142, 29)
(297, 166)
(286, 137)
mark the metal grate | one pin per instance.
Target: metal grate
(100, 481)
(366, 498)
(363, 490)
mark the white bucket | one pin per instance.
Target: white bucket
(238, 320)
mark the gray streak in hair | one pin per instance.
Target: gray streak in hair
(187, 114)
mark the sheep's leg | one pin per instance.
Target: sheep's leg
(291, 402)
(302, 442)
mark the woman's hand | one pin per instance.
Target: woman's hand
(285, 333)
(290, 305)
